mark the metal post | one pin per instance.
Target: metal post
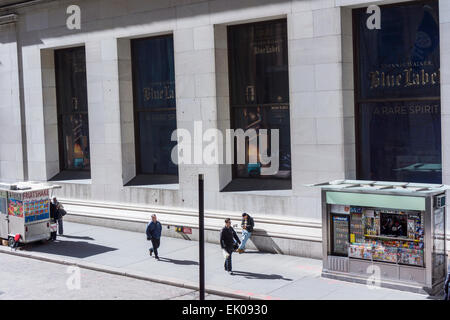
(201, 235)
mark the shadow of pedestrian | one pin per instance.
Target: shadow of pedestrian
(261, 276)
(179, 262)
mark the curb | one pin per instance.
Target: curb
(224, 292)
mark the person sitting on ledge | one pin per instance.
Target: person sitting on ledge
(247, 225)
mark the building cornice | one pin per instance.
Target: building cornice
(14, 5)
(9, 18)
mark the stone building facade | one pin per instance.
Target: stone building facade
(321, 96)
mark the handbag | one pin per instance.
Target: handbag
(225, 254)
(53, 227)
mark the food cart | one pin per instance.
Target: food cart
(385, 234)
(25, 212)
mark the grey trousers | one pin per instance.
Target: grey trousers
(60, 226)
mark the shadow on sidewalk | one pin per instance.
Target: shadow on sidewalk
(73, 249)
(249, 251)
(264, 243)
(180, 262)
(261, 276)
(75, 237)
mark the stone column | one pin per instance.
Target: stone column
(104, 118)
(196, 95)
(317, 86)
(444, 19)
(12, 166)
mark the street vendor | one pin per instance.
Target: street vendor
(60, 213)
(53, 223)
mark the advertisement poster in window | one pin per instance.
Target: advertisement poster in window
(259, 90)
(73, 123)
(398, 104)
(154, 104)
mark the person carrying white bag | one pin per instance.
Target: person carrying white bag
(228, 242)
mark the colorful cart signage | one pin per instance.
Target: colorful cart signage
(33, 205)
(15, 207)
(36, 205)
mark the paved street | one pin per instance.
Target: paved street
(24, 278)
(270, 275)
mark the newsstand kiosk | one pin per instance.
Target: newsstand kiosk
(387, 234)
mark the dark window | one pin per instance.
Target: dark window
(397, 81)
(259, 88)
(73, 124)
(340, 234)
(394, 225)
(154, 104)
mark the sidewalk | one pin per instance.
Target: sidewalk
(259, 275)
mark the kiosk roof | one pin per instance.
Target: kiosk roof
(383, 187)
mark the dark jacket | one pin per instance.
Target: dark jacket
(153, 230)
(250, 223)
(446, 288)
(60, 212)
(53, 212)
(227, 237)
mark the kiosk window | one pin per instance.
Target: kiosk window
(394, 225)
(387, 236)
(340, 231)
(439, 253)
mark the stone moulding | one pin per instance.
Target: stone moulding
(9, 18)
(280, 227)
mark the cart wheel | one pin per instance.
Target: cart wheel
(11, 242)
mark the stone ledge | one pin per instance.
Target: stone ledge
(300, 222)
